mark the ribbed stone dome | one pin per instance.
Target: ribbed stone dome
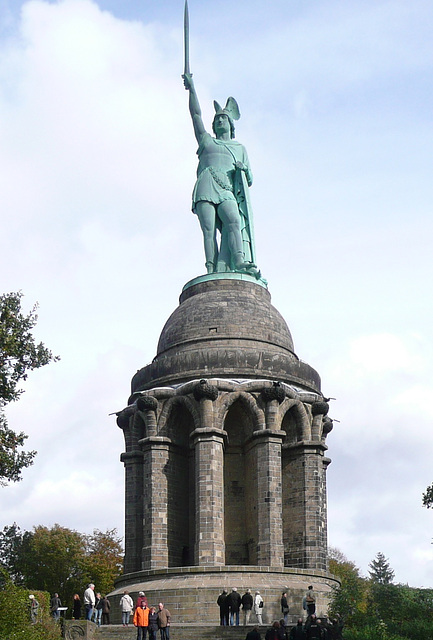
(225, 328)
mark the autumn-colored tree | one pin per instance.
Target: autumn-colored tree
(52, 559)
(19, 354)
(104, 559)
(61, 560)
(349, 599)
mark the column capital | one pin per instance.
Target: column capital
(131, 456)
(208, 433)
(268, 434)
(154, 442)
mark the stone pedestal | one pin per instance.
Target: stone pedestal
(225, 468)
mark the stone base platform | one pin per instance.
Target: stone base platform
(190, 593)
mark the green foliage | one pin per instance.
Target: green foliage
(381, 572)
(15, 621)
(61, 560)
(19, 354)
(427, 497)
(375, 610)
(104, 559)
(349, 599)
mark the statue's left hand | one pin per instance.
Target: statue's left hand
(240, 165)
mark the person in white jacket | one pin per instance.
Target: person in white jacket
(127, 605)
(258, 607)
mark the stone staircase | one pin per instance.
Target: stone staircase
(177, 632)
(90, 631)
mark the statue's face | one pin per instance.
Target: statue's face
(221, 124)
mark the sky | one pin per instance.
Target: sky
(97, 165)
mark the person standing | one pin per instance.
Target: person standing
(89, 600)
(141, 621)
(258, 607)
(224, 611)
(141, 598)
(55, 603)
(34, 609)
(284, 607)
(153, 623)
(247, 602)
(234, 604)
(310, 601)
(298, 632)
(76, 607)
(126, 605)
(164, 621)
(97, 611)
(106, 606)
(313, 630)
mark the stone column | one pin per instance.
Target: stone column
(209, 499)
(155, 497)
(133, 462)
(305, 509)
(267, 445)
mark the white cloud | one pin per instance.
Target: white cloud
(97, 160)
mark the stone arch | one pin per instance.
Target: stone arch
(240, 417)
(294, 421)
(177, 421)
(177, 407)
(250, 406)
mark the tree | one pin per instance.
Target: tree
(19, 354)
(381, 572)
(427, 497)
(104, 559)
(61, 560)
(349, 599)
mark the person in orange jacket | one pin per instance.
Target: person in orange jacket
(141, 621)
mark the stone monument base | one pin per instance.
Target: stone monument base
(190, 593)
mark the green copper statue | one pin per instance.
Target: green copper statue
(220, 197)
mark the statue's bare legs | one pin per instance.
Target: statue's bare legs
(207, 216)
(228, 213)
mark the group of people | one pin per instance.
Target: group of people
(313, 629)
(146, 619)
(230, 605)
(96, 606)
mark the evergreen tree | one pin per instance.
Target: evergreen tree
(381, 572)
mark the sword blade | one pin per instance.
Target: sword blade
(186, 37)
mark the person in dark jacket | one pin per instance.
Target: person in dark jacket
(284, 607)
(234, 604)
(247, 605)
(336, 630)
(283, 632)
(106, 606)
(153, 623)
(253, 634)
(313, 630)
(272, 633)
(224, 609)
(55, 603)
(76, 607)
(298, 632)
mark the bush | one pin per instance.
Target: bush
(15, 621)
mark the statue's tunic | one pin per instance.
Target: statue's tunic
(216, 169)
